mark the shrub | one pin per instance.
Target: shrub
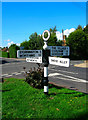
(35, 77)
(4, 54)
(13, 51)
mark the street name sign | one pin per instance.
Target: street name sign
(59, 61)
(22, 47)
(34, 59)
(59, 50)
(29, 53)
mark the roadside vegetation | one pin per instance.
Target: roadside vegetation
(77, 41)
(4, 54)
(20, 100)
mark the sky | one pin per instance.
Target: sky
(21, 19)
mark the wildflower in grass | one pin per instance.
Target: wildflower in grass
(57, 109)
(75, 97)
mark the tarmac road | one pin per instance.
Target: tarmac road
(72, 77)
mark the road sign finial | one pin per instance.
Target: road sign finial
(45, 39)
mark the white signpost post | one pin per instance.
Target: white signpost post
(44, 56)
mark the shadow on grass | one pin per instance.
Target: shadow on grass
(54, 86)
(81, 116)
(5, 90)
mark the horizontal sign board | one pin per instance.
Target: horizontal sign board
(59, 50)
(34, 59)
(29, 53)
(59, 61)
(22, 47)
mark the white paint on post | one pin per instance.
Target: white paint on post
(45, 71)
(45, 88)
(45, 39)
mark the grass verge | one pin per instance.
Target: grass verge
(20, 100)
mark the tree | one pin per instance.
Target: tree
(13, 51)
(59, 43)
(53, 39)
(35, 41)
(78, 42)
(79, 27)
(86, 29)
(25, 44)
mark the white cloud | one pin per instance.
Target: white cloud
(66, 32)
(7, 40)
(18, 44)
(10, 43)
(84, 26)
(59, 35)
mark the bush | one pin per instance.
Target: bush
(35, 77)
(13, 51)
(4, 54)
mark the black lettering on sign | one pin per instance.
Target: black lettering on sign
(32, 55)
(39, 54)
(54, 60)
(64, 62)
(53, 47)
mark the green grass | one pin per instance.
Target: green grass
(20, 100)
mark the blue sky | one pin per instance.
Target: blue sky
(21, 19)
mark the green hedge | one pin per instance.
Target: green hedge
(4, 54)
(13, 51)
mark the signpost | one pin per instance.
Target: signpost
(44, 56)
(59, 50)
(34, 59)
(29, 53)
(59, 61)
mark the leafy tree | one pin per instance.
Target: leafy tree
(79, 27)
(53, 29)
(13, 51)
(25, 44)
(86, 29)
(59, 43)
(78, 42)
(53, 39)
(35, 42)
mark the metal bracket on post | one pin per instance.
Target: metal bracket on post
(46, 54)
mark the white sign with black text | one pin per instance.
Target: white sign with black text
(29, 53)
(59, 50)
(34, 59)
(59, 61)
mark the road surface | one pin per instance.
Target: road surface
(75, 78)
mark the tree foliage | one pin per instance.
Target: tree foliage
(25, 44)
(13, 51)
(35, 41)
(86, 29)
(78, 42)
(79, 27)
(53, 39)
